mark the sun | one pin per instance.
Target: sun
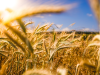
(7, 4)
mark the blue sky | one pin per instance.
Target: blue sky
(81, 15)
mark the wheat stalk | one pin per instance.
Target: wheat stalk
(95, 5)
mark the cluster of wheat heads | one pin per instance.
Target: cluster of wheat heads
(32, 50)
(94, 45)
(39, 50)
(23, 51)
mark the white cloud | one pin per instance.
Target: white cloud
(49, 15)
(87, 29)
(66, 29)
(89, 14)
(71, 6)
(57, 30)
(40, 16)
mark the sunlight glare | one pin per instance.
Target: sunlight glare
(7, 4)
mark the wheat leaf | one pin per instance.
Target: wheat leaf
(22, 37)
(59, 48)
(13, 40)
(22, 25)
(3, 54)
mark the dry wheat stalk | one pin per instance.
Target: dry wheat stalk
(95, 5)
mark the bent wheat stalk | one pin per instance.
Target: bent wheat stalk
(95, 5)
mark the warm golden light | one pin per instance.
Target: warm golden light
(7, 4)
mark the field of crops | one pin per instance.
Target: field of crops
(42, 52)
(73, 52)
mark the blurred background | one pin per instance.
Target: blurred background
(79, 17)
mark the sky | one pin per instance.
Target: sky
(81, 16)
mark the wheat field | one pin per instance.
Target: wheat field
(43, 52)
